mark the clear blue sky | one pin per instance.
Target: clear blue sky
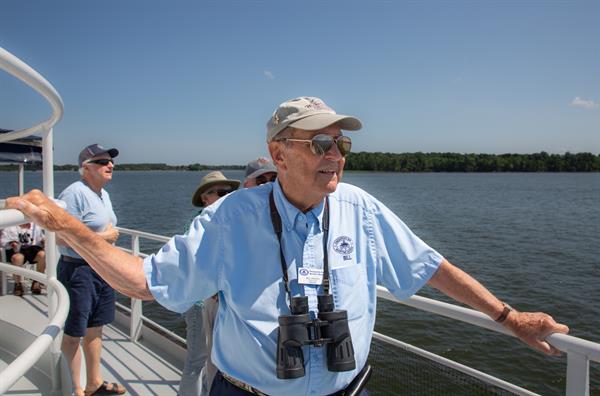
(190, 81)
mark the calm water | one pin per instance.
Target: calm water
(533, 239)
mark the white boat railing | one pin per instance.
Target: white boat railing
(17, 68)
(28, 358)
(579, 351)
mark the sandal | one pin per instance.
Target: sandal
(107, 388)
(18, 289)
(36, 287)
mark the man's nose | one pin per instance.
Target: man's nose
(334, 154)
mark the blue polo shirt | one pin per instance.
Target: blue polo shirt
(93, 210)
(231, 249)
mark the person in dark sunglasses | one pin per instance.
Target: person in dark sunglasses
(259, 171)
(94, 305)
(198, 371)
(213, 186)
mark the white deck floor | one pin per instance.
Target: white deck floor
(141, 370)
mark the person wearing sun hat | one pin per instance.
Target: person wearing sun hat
(195, 373)
(212, 187)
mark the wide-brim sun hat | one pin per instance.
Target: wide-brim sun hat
(209, 180)
(308, 113)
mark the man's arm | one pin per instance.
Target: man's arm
(531, 327)
(122, 271)
(110, 235)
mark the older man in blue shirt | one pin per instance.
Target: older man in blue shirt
(333, 236)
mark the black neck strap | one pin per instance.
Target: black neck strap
(278, 228)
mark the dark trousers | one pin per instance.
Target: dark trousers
(222, 387)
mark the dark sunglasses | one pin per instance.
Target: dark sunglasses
(322, 143)
(102, 161)
(262, 179)
(221, 192)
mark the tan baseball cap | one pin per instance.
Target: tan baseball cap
(308, 113)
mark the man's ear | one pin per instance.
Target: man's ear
(277, 151)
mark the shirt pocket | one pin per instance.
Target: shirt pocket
(350, 290)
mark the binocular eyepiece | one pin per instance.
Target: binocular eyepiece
(298, 329)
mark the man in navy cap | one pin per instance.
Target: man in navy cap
(92, 299)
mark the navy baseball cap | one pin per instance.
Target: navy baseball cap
(94, 150)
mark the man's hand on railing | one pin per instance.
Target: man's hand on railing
(41, 210)
(533, 328)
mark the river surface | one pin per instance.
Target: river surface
(532, 238)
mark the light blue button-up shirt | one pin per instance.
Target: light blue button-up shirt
(231, 249)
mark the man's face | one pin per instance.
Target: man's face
(309, 174)
(100, 172)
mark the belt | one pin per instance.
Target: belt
(74, 260)
(354, 388)
(242, 385)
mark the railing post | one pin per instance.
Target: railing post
(51, 258)
(3, 281)
(135, 328)
(578, 375)
(21, 186)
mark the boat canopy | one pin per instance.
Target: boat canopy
(21, 151)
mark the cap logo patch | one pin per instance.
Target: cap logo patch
(317, 105)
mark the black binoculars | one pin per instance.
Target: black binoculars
(298, 329)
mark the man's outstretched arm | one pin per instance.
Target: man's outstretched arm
(531, 327)
(124, 272)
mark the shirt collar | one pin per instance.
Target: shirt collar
(289, 213)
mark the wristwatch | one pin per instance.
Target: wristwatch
(507, 309)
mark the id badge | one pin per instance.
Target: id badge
(310, 276)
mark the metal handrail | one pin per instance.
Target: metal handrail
(579, 351)
(142, 234)
(17, 68)
(563, 342)
(19, 367)
(23, 72)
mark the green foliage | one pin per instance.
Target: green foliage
(408, 162)
(454, 162)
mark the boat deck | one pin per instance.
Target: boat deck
(143, 371)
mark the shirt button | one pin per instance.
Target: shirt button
(301, 217)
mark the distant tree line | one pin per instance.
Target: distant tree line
(129, 167)
(454, 162)
(409, 162)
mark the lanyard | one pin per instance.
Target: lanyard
(276, 220)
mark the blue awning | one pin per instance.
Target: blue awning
(21, 151)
